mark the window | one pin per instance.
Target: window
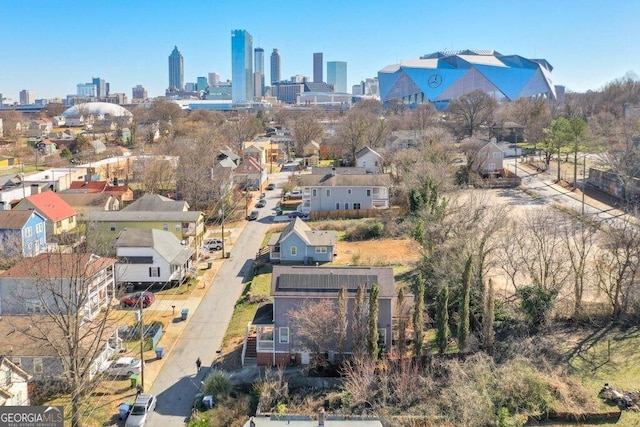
(7, 377)
(17, 361)
(39, 228)
(112, 226)
(28, 232)
(368, 192)
(37, 365)
(30, 246)
(33, 305)
(356, 206)
(294, 250)
(382, 337)
(337, 206)
(314, 192)
(59, 224)
(496, 155)
(321, 249)
(178, 226)
(72, 219)
(154, 271)
(346, 205)
(284, 335)
(348, 191)
(328, 192)
(165, 226)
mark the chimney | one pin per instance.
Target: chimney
(321, 416)
(333, 171)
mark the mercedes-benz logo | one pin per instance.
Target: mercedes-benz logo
(435, 80)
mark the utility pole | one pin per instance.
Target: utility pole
(221, 213)
(141, 345)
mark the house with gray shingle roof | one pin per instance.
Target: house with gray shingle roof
(298, 243)
(274, 334)
(148, 257)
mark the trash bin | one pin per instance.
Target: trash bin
(159, 352)
(208, 401)
(228, 255)
(130, 288)
(209, 264)
(184, 312)
(134, 380)
(123, 410)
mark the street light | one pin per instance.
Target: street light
(221, 213)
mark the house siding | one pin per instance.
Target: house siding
(104, 228)
(133, 273)
(342, 196)
(286, 246)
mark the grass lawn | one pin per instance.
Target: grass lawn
(179, 292)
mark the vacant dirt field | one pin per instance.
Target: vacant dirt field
(378, 252)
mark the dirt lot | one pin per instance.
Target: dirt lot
(378, 252)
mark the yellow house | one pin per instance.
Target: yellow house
(60, 217)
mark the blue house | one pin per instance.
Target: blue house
(22, 233)
(298, 243)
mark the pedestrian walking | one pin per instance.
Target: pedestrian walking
(198, 364)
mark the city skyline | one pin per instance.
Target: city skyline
(573, 39)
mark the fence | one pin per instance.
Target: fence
(347, 214)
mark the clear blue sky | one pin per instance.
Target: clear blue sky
(50, 46)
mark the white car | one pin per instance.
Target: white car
(140, 410)
(125, 366)
(212, 245)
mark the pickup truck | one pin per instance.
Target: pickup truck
(295, 194)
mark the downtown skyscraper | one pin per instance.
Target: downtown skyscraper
(337, 75)
(275, 66)
(241, 66)
(317, 67)
(176, 70)
(258, 74)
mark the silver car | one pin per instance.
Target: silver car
(140, 410)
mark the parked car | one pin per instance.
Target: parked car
(261, 203)
(271, 186)
(253, 215)
(125, 366)
(212, 245)
(295, 194)
(298, 214)
(134, 300)
(140, 410)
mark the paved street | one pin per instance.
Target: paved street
(177, 383)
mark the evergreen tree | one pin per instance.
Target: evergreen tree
(442, 319)
(357, 330)
(488, 317)
(463, 309)
(372, 330)
(418, 315)
(402, 325)
(342, 319)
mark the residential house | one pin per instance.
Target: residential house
(22, 233)
(275, 336)
(12, 191)
(510, 149)
(98, 146)
(228, 159)
(14, 384)
(298, 243)
(57, 179)
(40, 128)
(369, 159)
(61, 218)
(344, 189)
(45, 146)
(250, 174)
(7, 161)
(403, 139)
(489, 158)
(28, 342)
(311, 154)
(148, 257)
(89, 202)
(121, 192)
(58, 283)
(153, 212)
(75, 120)
(255, 150)
(59, 121)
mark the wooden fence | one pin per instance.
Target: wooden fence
(347, 214)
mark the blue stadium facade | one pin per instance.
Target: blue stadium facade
(442, 76)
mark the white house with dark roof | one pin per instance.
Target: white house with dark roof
(344, 189)
(369, 159)
(298, 243)
(149, 257)
(274, 336)
(14, 388)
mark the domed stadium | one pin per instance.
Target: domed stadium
(442, 76)
(99, 109)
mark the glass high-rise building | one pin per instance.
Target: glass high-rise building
(258, 64)
(101, 87)
(317, 67)
(337, 75)
(241, 66)
(176, 69)
(275, 66)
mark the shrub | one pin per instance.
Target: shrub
(216, 384)
(365, 230)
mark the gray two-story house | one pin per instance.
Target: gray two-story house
(274, 336)
(347, 189)
(298, 243)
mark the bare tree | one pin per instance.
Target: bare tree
(471, 111)
(306, 128)
(403, 311)
(240, 129)
(342, 320)
(359, 322)
(314, 327)
(579, 240)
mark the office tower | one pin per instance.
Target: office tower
(275, 66)
(337, 75)
(258, 75)
(176, 69)
(214, 79)
(139, 92)
(87, 90)
(101, 87)
(27, 97)
(189, 87)
(201, 83)
(241, 66)
(317, 67)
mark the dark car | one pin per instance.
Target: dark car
(261, 203)
(271, 186)
(298, 214)
(253, 215)
(134, 300)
